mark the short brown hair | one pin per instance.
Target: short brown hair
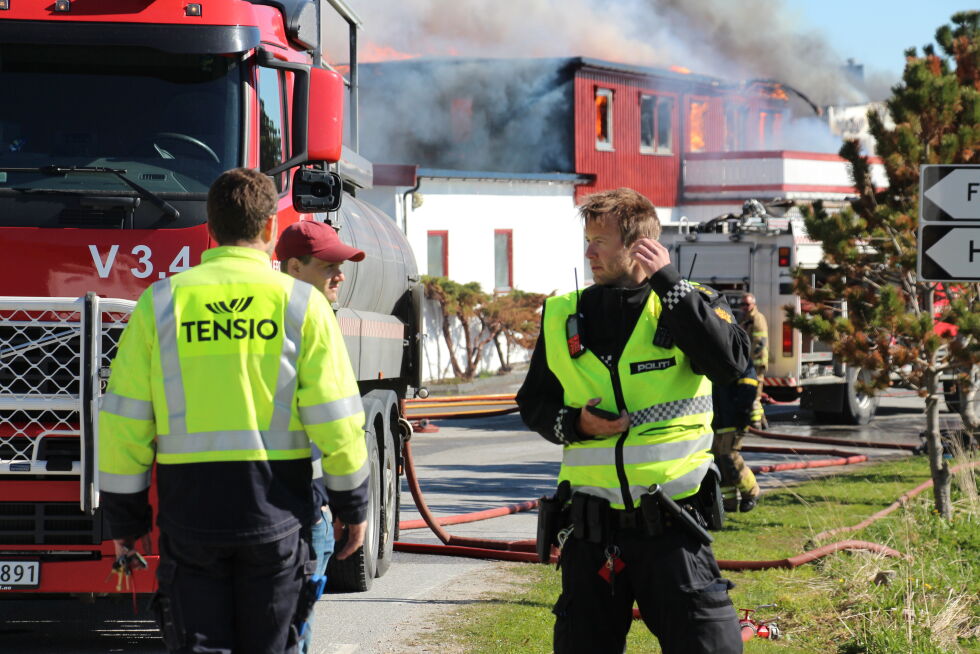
(240, 202)
(636, 215)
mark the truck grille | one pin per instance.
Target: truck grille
(48, 523)
(40, 371)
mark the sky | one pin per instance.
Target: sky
(893, 26)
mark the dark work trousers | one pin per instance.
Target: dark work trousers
(224, 599)
(674, 580)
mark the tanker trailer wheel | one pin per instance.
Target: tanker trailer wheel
(954, 392)
(357, 572)
(859, 408)
(389, 505)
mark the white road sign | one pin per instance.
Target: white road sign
(958, 194)
(957, 252)
(949, 223)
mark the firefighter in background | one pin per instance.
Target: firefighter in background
(755, 324)
(224, 375)
(735, 409)
(640, 345)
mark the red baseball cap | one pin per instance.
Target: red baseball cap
(309, 237)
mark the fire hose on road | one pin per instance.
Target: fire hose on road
(523, 550)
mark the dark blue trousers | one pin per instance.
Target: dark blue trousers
(224, 599)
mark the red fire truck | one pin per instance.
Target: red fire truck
(117, 116)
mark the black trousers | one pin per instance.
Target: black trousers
(674, 580)
(229, 599)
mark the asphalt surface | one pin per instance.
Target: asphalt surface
(469, 465)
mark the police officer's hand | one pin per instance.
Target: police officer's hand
(650, 255)
(592, 425)
(354, 537)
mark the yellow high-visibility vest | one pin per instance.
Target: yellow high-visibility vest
(670, 409)
(230, 361)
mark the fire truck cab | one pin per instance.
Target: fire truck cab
(117, 116)
(755, 252)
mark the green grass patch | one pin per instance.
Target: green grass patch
(930, 603)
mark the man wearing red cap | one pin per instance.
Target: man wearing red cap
(312, 252)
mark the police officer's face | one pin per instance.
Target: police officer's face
(325, 276)
(608, 256)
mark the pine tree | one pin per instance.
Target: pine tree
(894, 325)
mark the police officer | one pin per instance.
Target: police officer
(755, 324)
(735, 409)
(223, 376)
(640, 345)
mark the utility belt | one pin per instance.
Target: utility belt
(591, 519)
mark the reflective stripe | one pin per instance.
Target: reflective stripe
(111, 482)
(654, 452)
(318, 468)
(749, 381)
(690, 406)
(226, 441)
(345, 407)
(299, 298)
(346, 482)
(173, 383)
(127, 407)
(679, 486)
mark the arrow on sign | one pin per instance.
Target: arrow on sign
(958, 253)
(958, 194)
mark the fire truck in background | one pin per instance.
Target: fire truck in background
(117, 116)
(755, 252)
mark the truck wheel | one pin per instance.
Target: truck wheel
(389, 503)
(859, 408)
(955, 394)
(356, 573)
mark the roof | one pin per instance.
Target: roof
(493, 176)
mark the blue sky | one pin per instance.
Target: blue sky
(876, 32)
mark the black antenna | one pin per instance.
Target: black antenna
(691, 269)
(575, 272)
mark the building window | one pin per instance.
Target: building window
(603, 119)
(656, 124)
(769, 128)
(696, 126)
(503, 259)
(273, 142)
(736, 118)
(438, 251)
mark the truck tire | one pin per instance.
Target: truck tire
(859, 408)
(955, 395)
(389, 505)
(356, 573)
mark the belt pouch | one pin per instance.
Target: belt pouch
(581, 526)
(652, 519)
(549, 523)
(597, 516)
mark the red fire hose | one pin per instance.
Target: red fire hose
(833, 441)
(844, 458)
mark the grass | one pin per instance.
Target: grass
(930, 604)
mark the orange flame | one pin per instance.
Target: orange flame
(601, 118)
(681, 70)
(697, 127)
(373, 52)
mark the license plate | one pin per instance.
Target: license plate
(15, 575)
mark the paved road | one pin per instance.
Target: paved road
(467, 466)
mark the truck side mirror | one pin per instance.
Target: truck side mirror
(325, 118)
(316, 191)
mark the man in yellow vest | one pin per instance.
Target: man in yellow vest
(223, 377)
(621, 378)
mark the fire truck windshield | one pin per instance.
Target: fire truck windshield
(171, 121)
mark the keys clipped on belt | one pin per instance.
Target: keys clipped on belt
(612, 566)
(123, 568)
